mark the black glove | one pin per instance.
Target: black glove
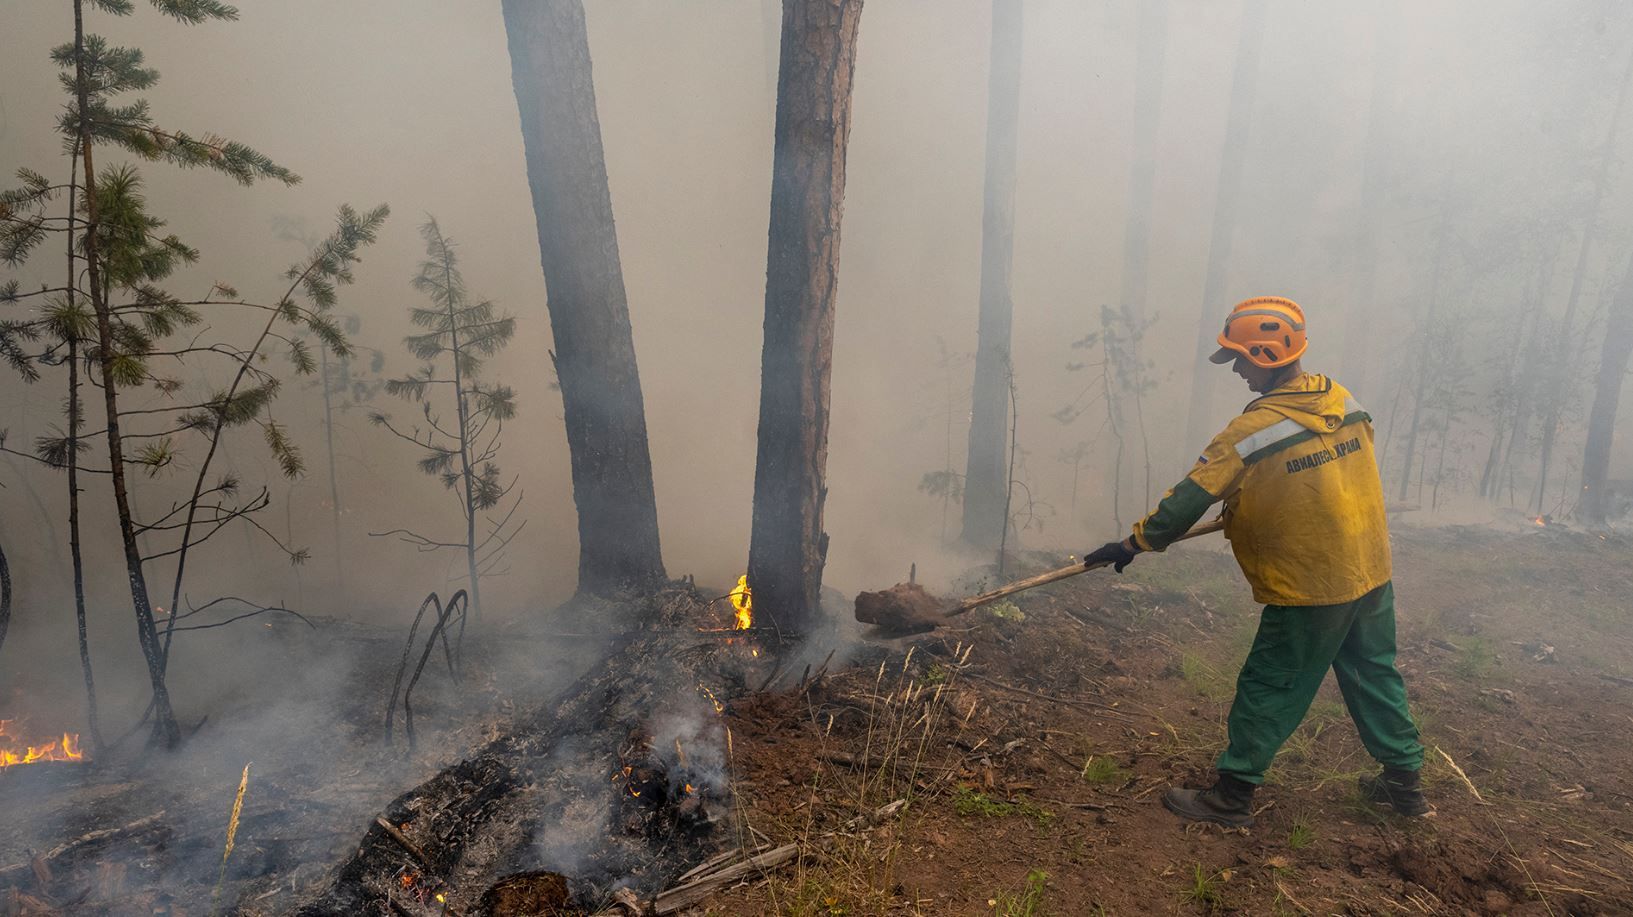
(1116, 553)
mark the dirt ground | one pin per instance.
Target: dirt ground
(1034, 743)
(1031, 745)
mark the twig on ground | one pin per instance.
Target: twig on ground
(139, 826)
(402, 840)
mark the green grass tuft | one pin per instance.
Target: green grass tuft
(1103, 769)
(968, 802)
(1203, 890)
(1302, 835)
(1028, 901)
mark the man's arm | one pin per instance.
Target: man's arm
(1216, 474)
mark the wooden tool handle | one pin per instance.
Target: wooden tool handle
(1042, 579)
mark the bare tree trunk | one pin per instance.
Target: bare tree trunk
(1243, 87)
(985, 482)
(1561, 368)
(1425, 336)
(165, 730)
(5, 596)
(787, 546)
(1148, 75)
(594, 353)
(463, 416)
(334, 477)
(1009, 470)
(1607, 393)
(1364, 311)
(75, 410)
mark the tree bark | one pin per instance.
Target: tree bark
(165, 730)
(986, 479)
(787, 546)
(1363, 311)
(589, 315)
(1148, 75)
(1228, 191)
(5, 595)
(1607, 393)
(329, 445)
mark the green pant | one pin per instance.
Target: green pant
(1290, 656)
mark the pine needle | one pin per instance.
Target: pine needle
(1462, 776)
(232, 835)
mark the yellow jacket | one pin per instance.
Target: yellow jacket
(1304, 508)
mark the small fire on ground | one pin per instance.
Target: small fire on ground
(742, 602)
(15, 749)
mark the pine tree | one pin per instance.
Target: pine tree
(787, 545)
(459, 335)
(594, 358)
(986, 493)
(117, 343)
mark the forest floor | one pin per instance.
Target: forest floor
(1031, 744)
(1035, 780)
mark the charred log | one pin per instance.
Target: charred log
(618, 783)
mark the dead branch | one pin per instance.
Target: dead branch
(684, 896)
(397, 835)
(139, 826)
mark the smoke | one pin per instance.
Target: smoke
(1486, 126)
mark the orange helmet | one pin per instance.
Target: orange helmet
(1267, 330)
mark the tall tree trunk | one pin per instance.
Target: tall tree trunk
(1560, 367)
(787, 546)
(986, 481)
(589, 315)
(1425, 337)
(165, 731)
(1227, 193)
(1148, 74)
(1364, 311)
(5, 596)
(334, 474)
(1607, 393)
(74, 419)
(463, 416)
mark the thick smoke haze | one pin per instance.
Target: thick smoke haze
(1490, 127)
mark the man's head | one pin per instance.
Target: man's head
(1263, 339)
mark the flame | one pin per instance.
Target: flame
(714, 701)
(742, 602)
(1539, 521)
(13, 751)
(690, 789)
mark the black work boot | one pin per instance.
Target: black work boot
(1228, 802)
(1401, 790)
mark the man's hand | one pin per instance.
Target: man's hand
(1117, 553)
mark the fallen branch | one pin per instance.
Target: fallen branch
(684, 896)
(139, 826)
(402, 840)
(699, 883)
(1092, 706)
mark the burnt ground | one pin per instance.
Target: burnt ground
(1032, 744)
(1035, 773)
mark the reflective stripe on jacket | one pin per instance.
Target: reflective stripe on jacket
(1304, 508)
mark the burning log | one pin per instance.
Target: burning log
(619, 782)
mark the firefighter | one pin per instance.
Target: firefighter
(1304, 513)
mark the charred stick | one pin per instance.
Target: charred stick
(396, 834)
(396, 685)
(430, 644)
(10, 873)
